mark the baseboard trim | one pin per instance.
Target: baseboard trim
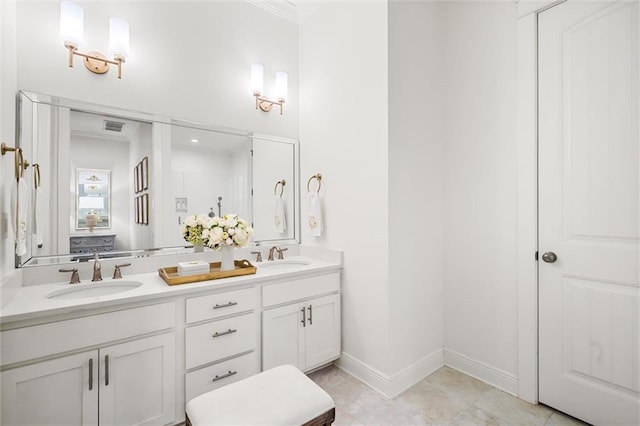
(494, 376)
(391, 385)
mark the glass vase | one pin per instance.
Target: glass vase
(227, 253)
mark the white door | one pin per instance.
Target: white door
(63, 391)
(283, 334)
(137, 382)
(323, 330)
(589, 306)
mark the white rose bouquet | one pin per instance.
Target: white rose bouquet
(228, 230)
(196, 229)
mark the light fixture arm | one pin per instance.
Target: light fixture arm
(95, 61)
(265, 104)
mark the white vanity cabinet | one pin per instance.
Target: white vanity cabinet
(130, 383)
(303, 326)
(221, 350)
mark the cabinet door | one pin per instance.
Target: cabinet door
(63, 391)
(322, 341)
(137, 382)
(283, 336)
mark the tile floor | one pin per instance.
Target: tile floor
(446, 397)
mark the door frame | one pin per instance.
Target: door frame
(527, 136)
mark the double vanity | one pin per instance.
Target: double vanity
(134, 350)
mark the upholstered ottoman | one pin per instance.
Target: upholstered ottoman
(280, 396)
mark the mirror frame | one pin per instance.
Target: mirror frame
(29, 260)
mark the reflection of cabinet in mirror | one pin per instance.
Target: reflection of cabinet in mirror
(92, 243)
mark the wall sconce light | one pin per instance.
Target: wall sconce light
(257, 80)
(71, 32)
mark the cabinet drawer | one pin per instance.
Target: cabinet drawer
(42, 340)
(218, 375)
(290, 291)
(220, 304)
(219, 339)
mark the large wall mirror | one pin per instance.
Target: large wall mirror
(128, 180)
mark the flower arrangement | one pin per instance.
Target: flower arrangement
(216, 232)
(227, 231)
(193, 230)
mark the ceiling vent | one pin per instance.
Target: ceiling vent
(113, 126)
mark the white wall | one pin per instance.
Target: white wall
(8, 88)
(343, 135)
(416, 175)
(189, 60)
(450, 189)
(481, 183)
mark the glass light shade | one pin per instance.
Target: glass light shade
(71, 22)
(119, 37)
(282, 85)
(257, 78)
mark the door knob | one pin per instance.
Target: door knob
(549, 257)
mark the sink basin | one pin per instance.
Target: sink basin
(82, 291)
(284, 265)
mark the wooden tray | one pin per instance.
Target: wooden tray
(170, 274)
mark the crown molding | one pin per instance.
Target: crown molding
(285, 9)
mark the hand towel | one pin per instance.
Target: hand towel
(19, 214)
(279, 219)
(314, 216)
(37, 217)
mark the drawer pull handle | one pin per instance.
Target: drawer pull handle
(90, 373)
(217, 306)
(224, 376)
(216, 334)
(310, 315)
(106, 370)
(304, 317)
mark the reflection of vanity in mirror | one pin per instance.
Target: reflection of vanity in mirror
(122, 182)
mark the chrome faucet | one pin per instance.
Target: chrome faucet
(97, 273)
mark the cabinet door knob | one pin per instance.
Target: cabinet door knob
(304, 316)
(310, 315)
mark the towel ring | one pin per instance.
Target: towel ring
(19, 164)
(275, 188)
(317, 177)
(36, 175)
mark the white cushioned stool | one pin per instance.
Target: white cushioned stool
(280, 396)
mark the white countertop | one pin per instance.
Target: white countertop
(32, 302)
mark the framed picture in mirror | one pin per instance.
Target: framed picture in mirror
(136, 213)
(145, 173)
(145, 209)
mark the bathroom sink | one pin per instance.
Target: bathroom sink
(94, 290)
(284, 265)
